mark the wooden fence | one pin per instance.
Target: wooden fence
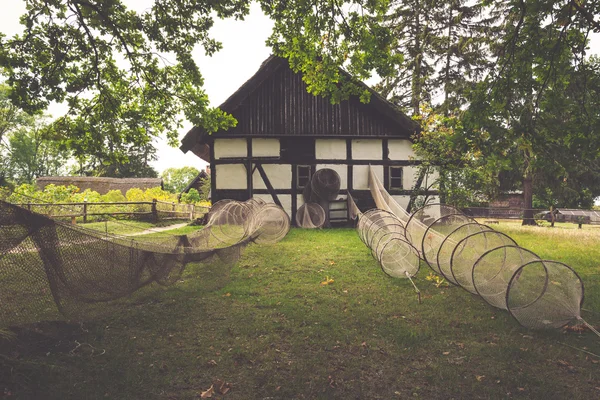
(152, 210)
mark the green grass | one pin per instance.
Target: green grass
(272, 330)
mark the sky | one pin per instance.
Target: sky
(243, 52)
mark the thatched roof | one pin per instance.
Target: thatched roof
(100, 185)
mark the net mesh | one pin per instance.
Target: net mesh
(310, 215)
(538, 293)
(383, 233)
(53, 270)
(320, 190)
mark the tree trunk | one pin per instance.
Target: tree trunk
(416, 84)
(528, 200)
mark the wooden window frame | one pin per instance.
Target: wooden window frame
(299, 175)
(393, 180)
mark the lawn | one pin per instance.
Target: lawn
(268, 328)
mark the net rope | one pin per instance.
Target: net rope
(539, 294)
(53, 270)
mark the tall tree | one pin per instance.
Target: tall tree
(11, 117)
(29, 155)
(176, 179)
(535, 57)
(115, 67)
(411, 23)
(127, 161)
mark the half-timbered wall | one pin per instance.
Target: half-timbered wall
(253, 167)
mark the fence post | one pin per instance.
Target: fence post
(552, 216)
(154, 211)
(29, 206)
(84, 211)
(192, 213)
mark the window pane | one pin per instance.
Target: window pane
(396, 172)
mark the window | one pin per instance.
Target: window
(395, 178)
(302, 176)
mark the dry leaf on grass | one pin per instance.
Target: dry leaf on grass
(207, 393)
(327, 281)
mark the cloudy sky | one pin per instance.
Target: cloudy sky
(243, 51)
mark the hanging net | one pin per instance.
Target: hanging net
(51, 270)
(320, 190)
(310, 215)
(538, 293)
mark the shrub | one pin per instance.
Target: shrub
(191, 197)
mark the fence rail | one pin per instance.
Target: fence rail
(154, 210)
(560, 215)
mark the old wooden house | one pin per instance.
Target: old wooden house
(285, 134)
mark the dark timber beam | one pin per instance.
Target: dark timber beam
(213, 176)
(265, 178)
(350, 174)
(294, 193)
(249, 167)
(243, 160)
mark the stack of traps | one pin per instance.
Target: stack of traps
(537, 293)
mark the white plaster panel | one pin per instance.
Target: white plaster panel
(361, 176)
(330, 149)
(231, 176)
(280, 176)
(400, 149)
(409, 176)
(341, 169)
(286, 203)
(265, 147)
(402, 200)
(367, 149)
(299, 201)
(225, 148)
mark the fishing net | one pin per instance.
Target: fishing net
(310, 215)
(51, 270)
(325, 184)
(539, 286)
(320, 190)
(383, 233)
(538, 293)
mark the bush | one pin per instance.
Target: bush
(191, 197)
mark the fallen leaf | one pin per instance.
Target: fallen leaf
(212, 362)
(227, 295)
(331, 262)
(479, 377)
(207, 393)
(446, 353)
(327, 281)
